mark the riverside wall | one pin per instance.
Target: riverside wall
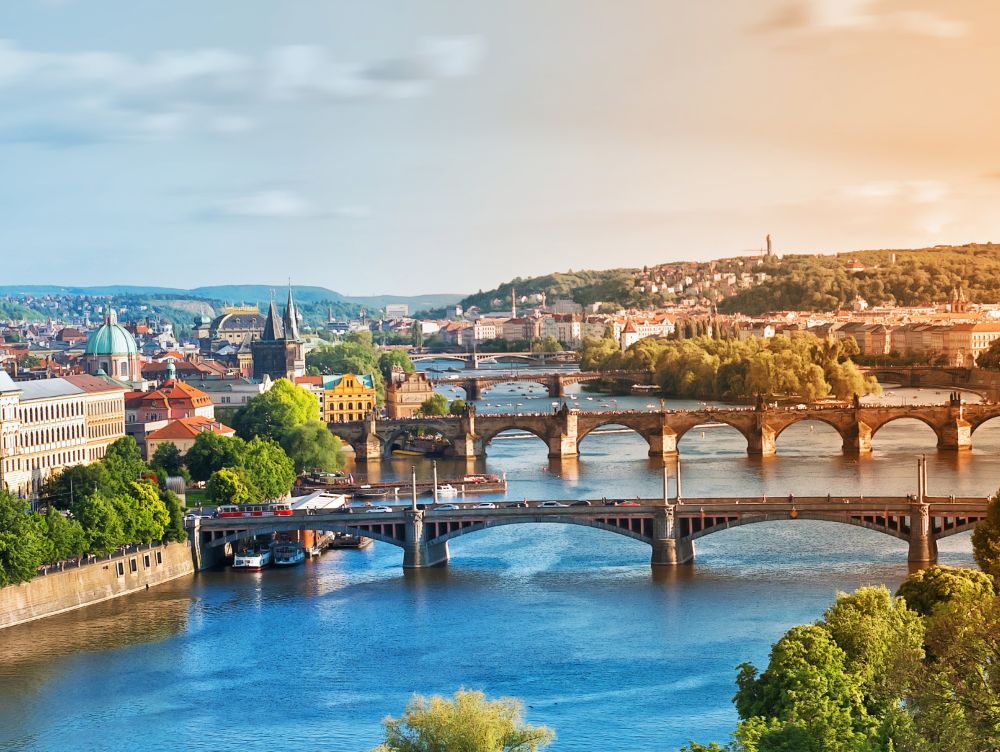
(58, 591)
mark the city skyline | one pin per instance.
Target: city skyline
(392, 149)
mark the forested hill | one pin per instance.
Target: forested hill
(900, 277)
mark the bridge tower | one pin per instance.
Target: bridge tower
(956, 435)
(562, 440)
(466, 443)
(761, 436)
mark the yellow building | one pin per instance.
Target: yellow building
(406, 392)
(347, 397)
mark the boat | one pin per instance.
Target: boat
(288, 554)
(368, 492)
(343, 540)
(252, 558)
(407, 452)
(447, 491)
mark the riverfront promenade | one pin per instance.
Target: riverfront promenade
(469, 434)
(668, 526)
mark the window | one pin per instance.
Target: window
(145, 561)
(120, 566)
(133, 564)
(159, 557)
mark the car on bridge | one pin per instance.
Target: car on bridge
(549, 504)
(581, 503)
(444, 508)
(379, 509)
(485, 505)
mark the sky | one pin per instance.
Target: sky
(419, 146)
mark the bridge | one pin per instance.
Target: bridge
(669, 527)
(473, 359)
(554, 382)
(562, 430)
(985, 383)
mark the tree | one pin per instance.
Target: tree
(356, 354)
(311, 446)
(175, 528)
(124, 464)
(102, 524)
(22, 548)
(991, 357)
(229, 486)
(468, 722)
(270, 472)
(276, 411)
(986, 539)
(457, 406)
(168, 457)
(436, 404)
(212, 452)
(956, 700)
(806, 699)
(394, 358)
(925, 589)
(65, 538)
(64, 489)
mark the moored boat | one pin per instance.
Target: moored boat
(447, 491)
(370, 492)
(252, 558)
(288, 554)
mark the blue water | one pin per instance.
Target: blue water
(610, 653)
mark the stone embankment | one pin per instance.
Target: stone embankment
(59, 590)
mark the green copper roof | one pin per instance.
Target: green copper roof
(111, 339)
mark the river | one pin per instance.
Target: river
(609, 652)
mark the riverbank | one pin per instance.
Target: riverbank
(55, 592)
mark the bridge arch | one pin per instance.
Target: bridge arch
(619, 421)
(500, 380)
(287, 527)
(543, 520)
(703, 430)
(900, 534)
(488, 435)
(811, 421)
(879, 426)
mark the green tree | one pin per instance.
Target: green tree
(65, 488)
(925, 589)
(311, 446)
(276, 411)
(394, 358)
(986, 539)
(468, 722)
(229, 485)
(22, 547)
(806, 700)
(124, 464)
(457, 406)
(355, 354)
(65, 538)
(101, 522)
(212, 452)
(175, 528)
(991, 357)
(436, 404)
(270, 472)
(168, 457)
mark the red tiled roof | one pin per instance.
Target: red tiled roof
(189, 428)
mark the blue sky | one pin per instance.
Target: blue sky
(411, 146)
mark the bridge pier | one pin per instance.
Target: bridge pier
(556, 387)
(203, 555)
(668, 549)
(417, 552)
(562, 440)
(761, 441)
(858, 440)
(923, 546)
(662, 443)
(956, 436)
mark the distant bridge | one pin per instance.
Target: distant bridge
(473, 359)
(562, 430)
(554, 382)
(668, 527)
(981, 381)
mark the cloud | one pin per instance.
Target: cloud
(829, 16)
(212, 90)
(282, 204)
(905, 191)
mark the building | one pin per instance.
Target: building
(183, 432)
(49, 424)
(235, 325)
(406, 392)
(147, 412)
(111, 350)
(347, 397)
(397, 311)
(231, 392)
(525, 328)
(279, 353)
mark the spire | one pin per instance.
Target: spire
(272, 327)
(291, 319)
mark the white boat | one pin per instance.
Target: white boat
(447, 491)
(252, 559)
(288, 554)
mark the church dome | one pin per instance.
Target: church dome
(111, 339)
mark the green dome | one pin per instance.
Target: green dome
(111, 339)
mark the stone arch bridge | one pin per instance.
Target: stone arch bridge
(554, 383)
(985, 383)
(562, 430)
(473, 359)
(670, 529)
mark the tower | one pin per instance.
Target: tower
(770, 247)
(513, 303)
(279, 353)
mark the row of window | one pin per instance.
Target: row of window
(40, 436)
(54, 411)
(133, 563)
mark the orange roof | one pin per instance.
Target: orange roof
(178, 391)
(314, 380)
(189, 428)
